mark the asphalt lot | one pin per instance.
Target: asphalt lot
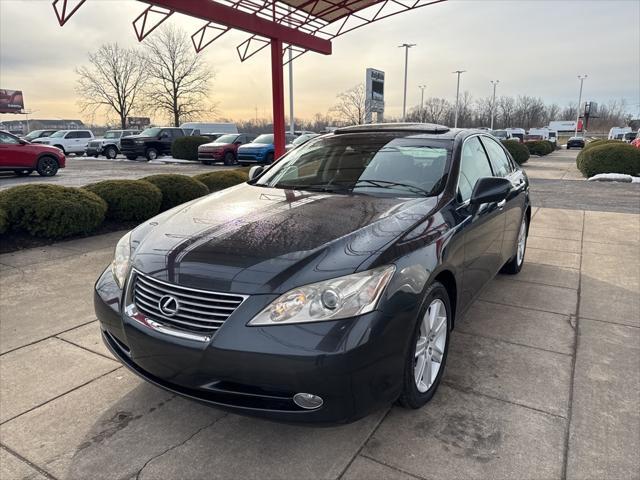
(542, 379)
(84, 170)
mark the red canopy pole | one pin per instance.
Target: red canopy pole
(277, 85)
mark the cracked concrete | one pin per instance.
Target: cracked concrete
(542, 381)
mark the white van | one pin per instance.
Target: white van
(516, 134)
(545, 133)
(197, 128)
(617, 133)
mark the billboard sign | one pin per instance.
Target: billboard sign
(374, 94)
(139, 122)
(11, 101)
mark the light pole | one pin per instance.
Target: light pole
(493, 102)
(422, 87)
(291, 120)
(406, 47)
(459, 72)
(581, 78)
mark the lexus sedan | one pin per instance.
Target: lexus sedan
(325, 287)
(575, 142)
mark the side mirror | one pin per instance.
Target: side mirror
(23, 142)
(489, 190)
(255, 171)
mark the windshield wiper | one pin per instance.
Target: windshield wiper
(313, 187)
(387, 184)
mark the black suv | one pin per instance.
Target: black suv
(151, 143)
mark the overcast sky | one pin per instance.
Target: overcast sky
(533, 47)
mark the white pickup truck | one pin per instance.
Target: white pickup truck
(69, 141)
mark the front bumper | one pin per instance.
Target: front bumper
(93, 151)
(355, 365)
(251, 157)
(210, 156)
(137, 150)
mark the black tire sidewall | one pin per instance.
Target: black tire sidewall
(40, 167)
(149, 150)
(411, 397)
(229, 159)
(111, 149)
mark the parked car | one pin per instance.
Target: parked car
(636, 142)
(617, 133)
(69, 141)
(533, 138)
(23, 158)
(151, 143)
(31, 136)
(261, 150)
(109, 145)
(223, 149)
(516, 134)
(575, 142)
(328, 285)
(301, 140)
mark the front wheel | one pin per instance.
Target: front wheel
(229, 158)
(427, 354)
(152, 154)
(514, 265)
(47, 166)
(111, 153)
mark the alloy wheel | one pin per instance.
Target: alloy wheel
(48, 166)
(430, 345)
(522, 242)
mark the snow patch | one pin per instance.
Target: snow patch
(614, 177)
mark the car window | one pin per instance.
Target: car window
(6, 139)
(177, 133)
(499, 160)
(71, 135)
(474, 165)
(83, 134)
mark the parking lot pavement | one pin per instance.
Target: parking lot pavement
(84, 170)
(542, 381)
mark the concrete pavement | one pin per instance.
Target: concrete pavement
(542, 381)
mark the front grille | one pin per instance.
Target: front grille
(94, 144)
(199, 311)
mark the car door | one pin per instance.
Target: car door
(483, 225)
(13, 153)
(70, 142)
(516, 200)
(83, 140)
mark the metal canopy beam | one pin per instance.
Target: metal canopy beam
(247, 22)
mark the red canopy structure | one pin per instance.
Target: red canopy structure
(297, 25)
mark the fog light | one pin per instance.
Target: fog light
(307, 401)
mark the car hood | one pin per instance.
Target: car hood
(251, 240)
(256, 145)
(215, 145)
(134, 137)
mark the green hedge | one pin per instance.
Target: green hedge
(539, 147)
(222, 179)
(52, 211)
(4, 221)
(186, 148)
(177, 189)
(518, 151)
(128, 200)
(597, 143)
(608, 158)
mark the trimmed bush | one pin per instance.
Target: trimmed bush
(4, 221)
(518, 151)
(52, 211)
(177, 189)
(607, 158)
(222, 179)
(540, 147)
(597, 143)
(186, 148)
(128, 200)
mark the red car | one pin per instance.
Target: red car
(223, 149)
(23, 158)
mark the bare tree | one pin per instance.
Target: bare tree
(351, 106)
(112, 82)
(178, 78)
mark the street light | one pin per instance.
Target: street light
(459, 72)
(406, 47)
(581, 78)
(493, 102)
(422, 87)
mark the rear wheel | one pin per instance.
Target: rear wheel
(111, 153)
(229, 158)
(427, 355)
(514, 265)
(47, 166)
(152, 154)
(23, 173)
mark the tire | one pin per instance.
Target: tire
(47, 166)
(514, 265)
(436, 345)
(269, 159)
(229, 158)
(23, 173)
(111, 152)
(151, 154)
(61, 148)
(132, 157)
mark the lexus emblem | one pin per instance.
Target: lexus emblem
(168, 305)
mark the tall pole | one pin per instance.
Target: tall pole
(277, 88)
(581, 78)
(291, 119)
(422, 87)
(406, 47)
(459, 72)
(493, 102)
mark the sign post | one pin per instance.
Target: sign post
(374, 95)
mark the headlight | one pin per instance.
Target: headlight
(121, 260)
(341, 297)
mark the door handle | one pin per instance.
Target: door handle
(502, 204)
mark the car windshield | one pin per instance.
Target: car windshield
(32, 135)
(366, 164)
(303, 138)
(59, 134)
(112, 134)
(226, 138)
(151, 132)
(267, 138)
